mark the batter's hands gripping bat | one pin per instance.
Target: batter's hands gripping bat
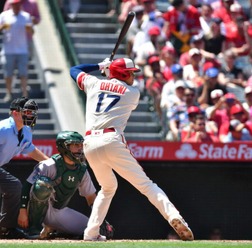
(122, 34)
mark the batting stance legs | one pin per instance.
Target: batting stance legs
(108, 151)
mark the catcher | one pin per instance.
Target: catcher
(48, 190)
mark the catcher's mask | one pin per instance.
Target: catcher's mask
(64, 140)
(28, 109)
(121, 68)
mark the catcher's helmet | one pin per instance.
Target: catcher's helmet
(64, 139)
(28, 108)
(121, 68)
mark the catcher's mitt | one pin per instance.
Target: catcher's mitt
(107, 230)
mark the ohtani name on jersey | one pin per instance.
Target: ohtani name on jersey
(117, 88)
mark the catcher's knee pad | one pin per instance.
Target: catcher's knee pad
(39, 199)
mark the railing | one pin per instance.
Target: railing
(65, 39)
(70, 53)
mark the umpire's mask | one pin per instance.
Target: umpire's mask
(29, 113)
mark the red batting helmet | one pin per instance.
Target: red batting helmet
(121, 68)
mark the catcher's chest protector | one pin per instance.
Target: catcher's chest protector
(66, 181)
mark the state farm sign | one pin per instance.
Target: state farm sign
(173, 151)
(215, 151)
(146, 151)
(243, 151)
(168, 151)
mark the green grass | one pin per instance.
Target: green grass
(124, 244)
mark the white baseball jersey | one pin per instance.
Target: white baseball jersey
(109, 105)
(109, 102)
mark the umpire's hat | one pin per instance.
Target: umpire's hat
(18, 103)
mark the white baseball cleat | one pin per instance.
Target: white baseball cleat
(97, 238)
(181, 228)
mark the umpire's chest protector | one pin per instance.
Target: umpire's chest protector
(66, 181)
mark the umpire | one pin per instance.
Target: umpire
(16, 137)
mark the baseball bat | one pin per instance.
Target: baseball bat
(122, 34)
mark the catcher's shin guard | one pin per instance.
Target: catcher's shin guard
(38, 204)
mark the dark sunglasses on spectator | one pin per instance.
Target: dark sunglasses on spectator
(230, 100)
(239, 113)
(201, 124)
(189, 95)
(192, 115)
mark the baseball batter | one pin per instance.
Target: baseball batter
(109, 105)
(51, 186)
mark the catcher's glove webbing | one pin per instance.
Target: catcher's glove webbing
(107, 230)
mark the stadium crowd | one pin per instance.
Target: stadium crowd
(196, 66)
(195, 58)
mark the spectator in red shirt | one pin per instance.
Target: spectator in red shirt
(235, 29)
(223, 12)
(219, 111)
(200, 134)
(187, 23)
(192, 112)
(232, 100)
(167, 59)
(155, 83)
(238, 37)
(238, 132)
(237, 112)
(181, 21)
(196, 41)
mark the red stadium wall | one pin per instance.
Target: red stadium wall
(174, 151)
(210, 184)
